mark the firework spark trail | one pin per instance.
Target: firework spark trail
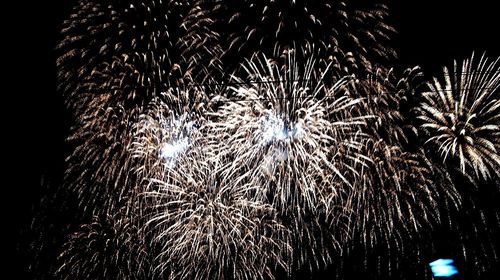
(106, 248)
(294, 140)
(338, 30)
(99, 162)
(153, 38)
(200, 45)
(389, 97)
(476, 230)
(397, 195)
(114, 32)
(460, 116)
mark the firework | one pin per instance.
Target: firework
(103, 145)
(116, 57)
(460, 116)
(152, 39)
(340, 30)
(165, 129)
(283, 168)
(203, 225)
(198, 218)
(295, 140)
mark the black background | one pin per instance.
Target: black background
(431, 34)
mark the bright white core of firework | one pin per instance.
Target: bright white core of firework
(170, 151)
(180, 142)
(274, 128)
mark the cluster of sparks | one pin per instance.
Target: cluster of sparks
(301, 152)
(461, 116)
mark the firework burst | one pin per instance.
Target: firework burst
(115, 57)
(460, 116)
(202, 224)
(295, 140)
(199, 219)
(282, 170)
(165, 129)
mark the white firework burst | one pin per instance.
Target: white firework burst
(199, 219)
(204, 226)
(460, 116)
(114, 58)
(166, 129)
(294, 140)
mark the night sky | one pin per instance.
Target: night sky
(431, 34)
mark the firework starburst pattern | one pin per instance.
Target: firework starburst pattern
(460, 115)
(259, 139)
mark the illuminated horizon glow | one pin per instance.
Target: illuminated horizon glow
(443, 268)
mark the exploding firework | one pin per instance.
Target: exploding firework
(460, 116)
(338, 30)
(164, 131)
(279, 171)
(295, 140)
(116, 57)
(200, 221)
(203, 225)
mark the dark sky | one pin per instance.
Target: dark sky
(431, 34)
